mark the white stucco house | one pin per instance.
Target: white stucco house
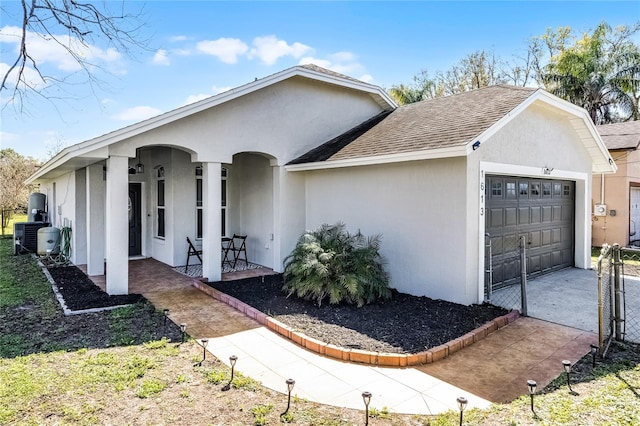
(307, 146)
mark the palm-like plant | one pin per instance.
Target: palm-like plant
(600, 74)
(331, 263)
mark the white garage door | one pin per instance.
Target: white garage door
(542, 211)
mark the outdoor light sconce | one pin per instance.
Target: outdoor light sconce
(139, 166)
(290, 383)
(204, 343)
(366, 397)
(531, 384)
(462, 404)
(566, 364)
(475, 145)
(183, 329)
(547, 170)
(232, 361)
(594, 353)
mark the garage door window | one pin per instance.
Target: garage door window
(524, 189)
(496, 189)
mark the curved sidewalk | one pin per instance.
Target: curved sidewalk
(490, 370)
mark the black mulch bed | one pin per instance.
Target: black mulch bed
(79, 292)
(404, 324)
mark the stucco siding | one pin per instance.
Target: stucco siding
(616, 228)
(284, 120)
(418, 207)
(252, 209)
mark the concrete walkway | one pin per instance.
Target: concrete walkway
(494, 369)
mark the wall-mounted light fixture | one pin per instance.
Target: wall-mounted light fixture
(547, 170)
(475, 145)
(139, 166)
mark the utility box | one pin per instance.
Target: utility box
(600, 210)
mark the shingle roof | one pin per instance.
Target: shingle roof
(438, 123)
(328, 149)
(620, 135)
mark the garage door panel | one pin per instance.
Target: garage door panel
(510, 216)
(542, 210)
(496, 218)
(536, 214)
(535, 239)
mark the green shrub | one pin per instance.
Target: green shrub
(331, 263)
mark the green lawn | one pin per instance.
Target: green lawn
(115, 368)
(15, 218)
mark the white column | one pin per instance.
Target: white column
(117, 225)
(95, 219)
(79, 234)
(276, 241)
(212, 223)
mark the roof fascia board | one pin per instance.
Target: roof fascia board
(380, 159)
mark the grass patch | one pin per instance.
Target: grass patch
(66, 370)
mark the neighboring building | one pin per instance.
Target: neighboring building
(432, 177)
(616, 197)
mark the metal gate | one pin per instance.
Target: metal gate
(508, 293)
(617, 308)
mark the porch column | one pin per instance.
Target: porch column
(212, 223)
(95, 196)
(117, 225)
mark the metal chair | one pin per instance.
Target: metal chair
(193, 251)
(238, 247)
(227, 244)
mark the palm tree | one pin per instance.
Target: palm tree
(599, 73)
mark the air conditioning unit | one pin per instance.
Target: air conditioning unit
(600, 210)
(25, 236)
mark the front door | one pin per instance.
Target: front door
(135, 219)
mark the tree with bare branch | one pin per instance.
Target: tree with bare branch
(80, 36)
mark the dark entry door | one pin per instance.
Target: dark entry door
(135, 219)
(541, 210)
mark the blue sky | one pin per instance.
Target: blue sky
(197, 49)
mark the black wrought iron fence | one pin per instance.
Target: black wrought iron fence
(505, 272)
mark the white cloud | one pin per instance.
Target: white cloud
(216, 89)
(195, 98)
(269, 49)
(367, 78)
(138, 113)
(44, 49)
(342, 62)
(161, 57)
(225, 49)
(29, 75)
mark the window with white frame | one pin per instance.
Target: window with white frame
(160, 203)
(199, 202)
(223, 202)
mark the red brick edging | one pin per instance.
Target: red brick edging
(356, 355)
